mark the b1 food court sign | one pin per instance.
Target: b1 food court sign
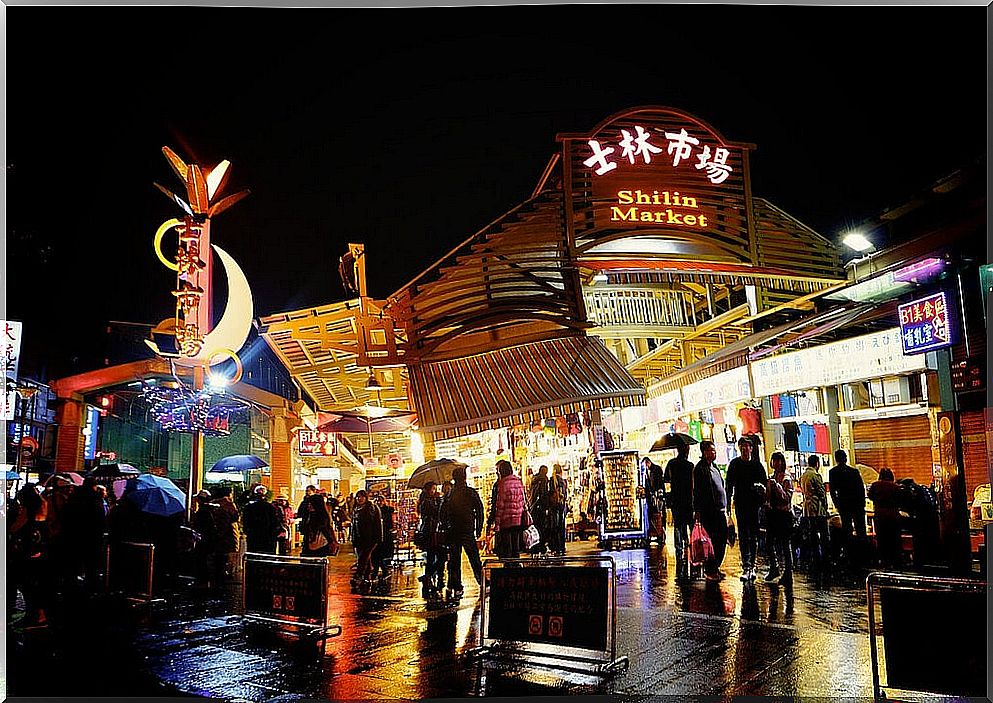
(925, 324)
(314, 443)
(661, 168)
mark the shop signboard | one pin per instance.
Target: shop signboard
(925, 324)
(658, 169)
(722, 389)
(868, 356)
(314, 443)
(668, 405)
(328, 473)
(90, 432)
(9, 405)
(559, 605)
(967, 375)
(11, 348)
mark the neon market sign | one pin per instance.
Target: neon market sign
(924, 324)
(677, 212)
(681, 149)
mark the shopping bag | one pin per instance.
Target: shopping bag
(531, 536)
(701, 548)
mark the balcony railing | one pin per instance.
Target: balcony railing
(639, 308)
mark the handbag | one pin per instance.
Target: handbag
(531, 536)
(701, 547)
(318, 541)
(732, 532)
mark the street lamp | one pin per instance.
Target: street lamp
(27, 394)
(857, 241)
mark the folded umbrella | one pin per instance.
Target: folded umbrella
(438, 470)
(672, 440)
(155, 495)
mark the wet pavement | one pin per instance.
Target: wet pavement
(694, 639)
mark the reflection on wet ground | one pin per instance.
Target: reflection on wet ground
(694, 638)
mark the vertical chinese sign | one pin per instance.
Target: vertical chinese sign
(11, 349)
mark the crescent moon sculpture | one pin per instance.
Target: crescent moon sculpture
(233, 328)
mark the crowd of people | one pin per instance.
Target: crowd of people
(789, 519)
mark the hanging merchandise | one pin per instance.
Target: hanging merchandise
(791, 436)
(626, 513)
(561, 427)
(694, 430)
(717, 414)
(807, 403)
(751, 420)
(707, 417)
(574, 425)
(788, 405)
(807, 437)
(776, 403)
(707, 431)
(822, 438)
(682, 426)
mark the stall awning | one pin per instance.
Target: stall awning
(519, 385)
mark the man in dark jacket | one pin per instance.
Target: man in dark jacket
(655, 497)
(747, 487)
(262, 522)
(679, 475)
(462, 520)
(848, 493)
(710, 506)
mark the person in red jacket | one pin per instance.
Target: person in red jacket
(508, 510)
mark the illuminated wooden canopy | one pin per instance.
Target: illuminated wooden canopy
(321, 349)
(510, 283)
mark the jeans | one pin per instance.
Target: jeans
(780, 544)
(456, 545)
(817, 545)
(748, 536)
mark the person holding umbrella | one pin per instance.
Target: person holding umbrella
(679, 475)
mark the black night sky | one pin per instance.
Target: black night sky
(409, 129)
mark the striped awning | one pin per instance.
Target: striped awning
(519, 385)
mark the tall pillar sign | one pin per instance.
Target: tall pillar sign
(190, 338)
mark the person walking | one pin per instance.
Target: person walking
(655, 499)
(462, 520)
(382, 558)
(557, 506)
(283, 544)
(208, 562)
(848, 494)
(888, 499)
(747, 487)
(814, 522)
(780, 523)
(428, 538)
(86, 526)
(27, 555)
(710, 507)
(678, 474)
(539, 507)
(262, 522)
(367, 533)
(319, 539)
(508, 512)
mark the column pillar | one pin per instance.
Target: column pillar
(282, 430)
(70, 417)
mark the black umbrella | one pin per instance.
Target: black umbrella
(673, 440)
(113, 471)
(438, 470)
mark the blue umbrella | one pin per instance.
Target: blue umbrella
(237, 464)
(155, 495)
(13, 475)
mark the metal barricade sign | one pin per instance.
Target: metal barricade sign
(560, 611)
(951, 613)
(130, 569)
(287, 591)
